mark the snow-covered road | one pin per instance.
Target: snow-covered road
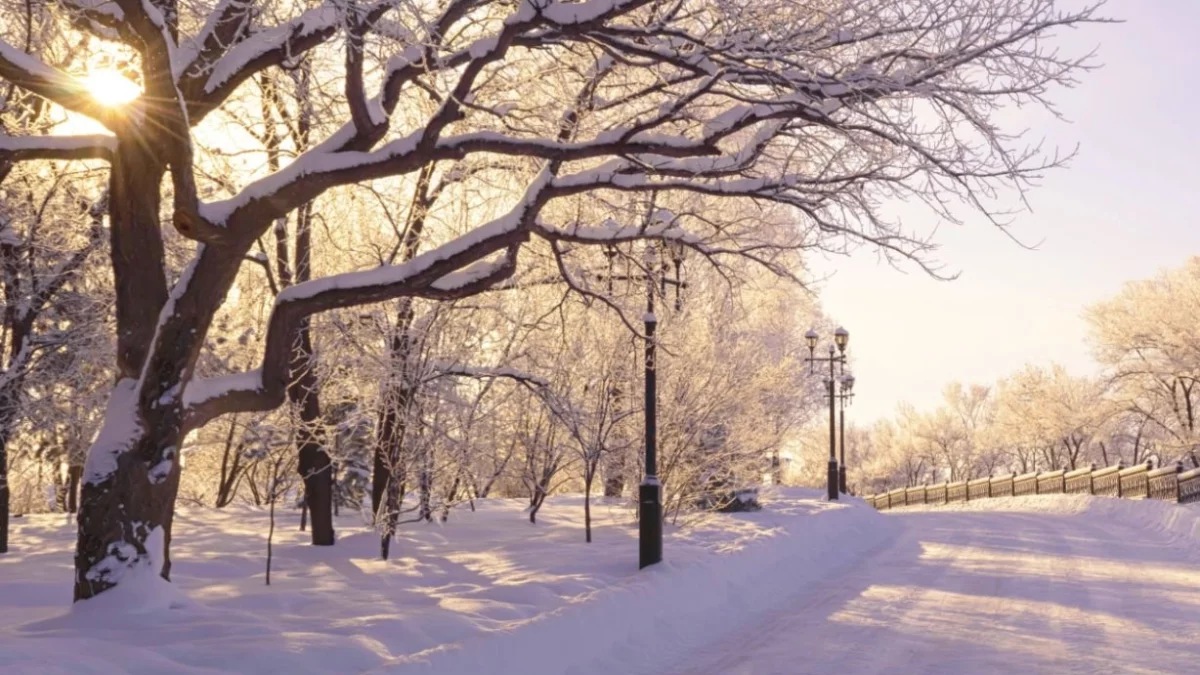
(986, 592)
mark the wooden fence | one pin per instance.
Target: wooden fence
(1141, 481)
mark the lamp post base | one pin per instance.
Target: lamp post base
(842, 480)
(649, 522)
(833, 480)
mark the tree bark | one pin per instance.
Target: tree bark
(614, 474)
(231, 459)
(74, 473)
(4, 498)
(125, 520)
(398, 394)
(387, 486)
(587, 510)
(314, 464)
(127, 498)
(125, 516)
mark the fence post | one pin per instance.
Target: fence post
(1178, 470)
(989, 485)
(1119, 490)
(1037, 489)
(1092, 481)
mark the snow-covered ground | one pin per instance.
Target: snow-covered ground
(1049, 584)
(486, 593)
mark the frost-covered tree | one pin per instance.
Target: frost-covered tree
(830, 110)
(1145, 337)
(51, 223)
(1050, 417)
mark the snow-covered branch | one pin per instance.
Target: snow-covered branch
(457, 269)
(30, 73)
(85, 146)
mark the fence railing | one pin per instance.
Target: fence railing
(1140, 481)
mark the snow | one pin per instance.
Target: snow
(65, 143)
(162, 470)
(526, 12)
(387, 275)
(488, 592)
(1046, 584)
(117, 434)
(566, 13)
(205, 389)
(30, 64)
(323, 17)
(321, 159)
(112, 9)
(471, 274)
(482, 47)
(1171, 520)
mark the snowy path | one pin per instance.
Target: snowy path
(986, 593)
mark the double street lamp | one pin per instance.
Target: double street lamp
(650, 536)
(837, 357)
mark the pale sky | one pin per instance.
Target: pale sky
(1126, 207)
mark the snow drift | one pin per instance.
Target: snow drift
(486, 593)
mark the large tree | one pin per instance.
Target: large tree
(1146, 337)
(831, 110)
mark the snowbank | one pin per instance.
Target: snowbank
(1179, 523)
(486, 593)
(679, 606)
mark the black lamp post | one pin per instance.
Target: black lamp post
(650, 539)
(841, 337)
(844, 397)
(650, 491)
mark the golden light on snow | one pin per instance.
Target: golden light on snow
(111, 88)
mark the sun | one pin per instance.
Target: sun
(111, 88)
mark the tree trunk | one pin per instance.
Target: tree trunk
(389, 474)
(131, 477)
(4, 431)
(535, 502)
(451, 495)
(425, 483)
(587, 510)
(74, 473)
(314, 463)
(315, 468)
(614, 475)
(126, 513)
(231, 459)
(125, 519)
(398, 394)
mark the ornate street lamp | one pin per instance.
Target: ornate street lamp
(650, 491)
(650, 544)
(677, 251)
(841, 338)
(845, 397)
